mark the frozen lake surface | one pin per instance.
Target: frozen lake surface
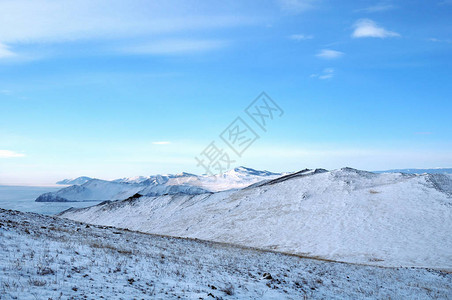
(23, 198)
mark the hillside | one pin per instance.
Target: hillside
(345, 215)
(51, 258)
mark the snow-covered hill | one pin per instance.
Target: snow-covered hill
(346, 215)
(51, 258)
(95, 189)
(155, 185)
(72, 181)
(419, 171)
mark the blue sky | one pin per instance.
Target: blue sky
(94, 87)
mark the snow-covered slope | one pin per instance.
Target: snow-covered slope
(72, 181)
(50, 258)
(163, 189)
(156, 185)
(95, 189)
(346, 215)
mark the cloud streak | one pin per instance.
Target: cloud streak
(329, 54)
(5, 52)
(377, 8)
(327, 73)
(10, 154)
(175, 46)
(162, 22)
(300, 37)
(448, 41)
(161, 143)
(6, 92)
(367, 28)
(60, 21)
(296, 6)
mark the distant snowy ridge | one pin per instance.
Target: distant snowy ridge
(419, 171)
(72, 181)
(153, 179)
(156, 185)
(93, 190)
(349, 215)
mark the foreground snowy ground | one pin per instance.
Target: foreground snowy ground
(45, 257)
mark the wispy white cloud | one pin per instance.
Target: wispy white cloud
(368, 28)
(161, 143)
(5, 52)
(6, 92)
(377, 8)
(10, 154)
(448, 41)
(300, 37)
(23, 21)
(297, 6)
(175, 46)
(329, 54)
(327, 73)
(445, 2)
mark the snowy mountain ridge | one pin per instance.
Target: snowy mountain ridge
(95, 189)
(419, 171)
(155, 185)
(79, 180)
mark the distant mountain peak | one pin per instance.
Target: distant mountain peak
(71, 181)
(184, 174)
(250, 171)
(245, 169)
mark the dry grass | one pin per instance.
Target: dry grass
(111, 247)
